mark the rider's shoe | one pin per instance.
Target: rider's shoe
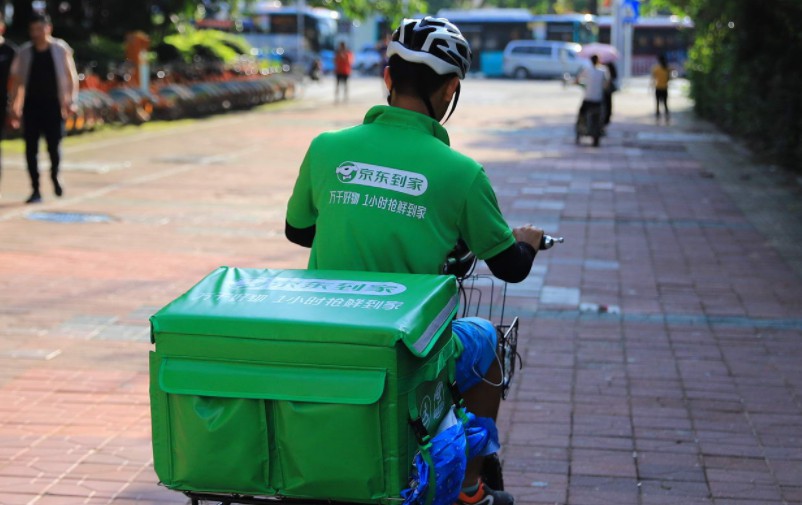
(485, 496)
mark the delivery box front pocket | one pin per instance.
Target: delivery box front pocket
(219, 442)
(328, 449)
(268, 428)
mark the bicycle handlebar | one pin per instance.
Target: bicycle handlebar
(461, 259)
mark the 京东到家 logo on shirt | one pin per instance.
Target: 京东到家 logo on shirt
(401, 181)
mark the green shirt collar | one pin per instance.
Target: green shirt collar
(396, 116)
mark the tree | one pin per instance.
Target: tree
(362, 9)
(79, 19)
(744, 72)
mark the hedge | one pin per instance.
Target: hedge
(746, 73)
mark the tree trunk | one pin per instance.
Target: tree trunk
(18, 29)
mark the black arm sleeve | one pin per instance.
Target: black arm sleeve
(513, 263)
(301, 236)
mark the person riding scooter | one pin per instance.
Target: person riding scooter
(391, 195)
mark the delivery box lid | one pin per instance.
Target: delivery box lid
(364, 308)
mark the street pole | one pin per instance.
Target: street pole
(616, 29)
(144, 71)
(621, 39)
(301, 8)
(627, 50)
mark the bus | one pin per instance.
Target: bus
(577, 28)
(274, 31)
(652, 36)
(490, 30)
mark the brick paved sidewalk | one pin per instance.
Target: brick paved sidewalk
(661, 342)
(664, 349)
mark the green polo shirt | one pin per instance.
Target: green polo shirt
(390, 195)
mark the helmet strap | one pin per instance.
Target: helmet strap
(454, 103)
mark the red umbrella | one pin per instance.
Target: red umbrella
(605, 52)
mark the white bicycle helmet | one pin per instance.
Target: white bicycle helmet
(434, 42)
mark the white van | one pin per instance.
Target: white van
(524, 59)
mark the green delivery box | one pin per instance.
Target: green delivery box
(299, 383)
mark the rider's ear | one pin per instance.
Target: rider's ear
(388, 80)
(450, 88)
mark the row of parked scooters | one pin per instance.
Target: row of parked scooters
(128, 105)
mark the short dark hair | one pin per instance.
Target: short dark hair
(415, 79)
(39, 17)
(594, 59)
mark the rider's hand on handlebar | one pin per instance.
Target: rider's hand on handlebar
(529, 234)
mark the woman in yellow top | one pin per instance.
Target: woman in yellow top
(661, 74)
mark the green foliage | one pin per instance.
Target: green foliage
(362, 9)
(229, 48)
(97, 50)
(745, 75)
(437, 5)
(678, 7)
(395, 10)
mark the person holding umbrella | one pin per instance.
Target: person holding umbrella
(608, 92)
(607, 55)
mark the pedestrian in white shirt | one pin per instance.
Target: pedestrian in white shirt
(595, 78)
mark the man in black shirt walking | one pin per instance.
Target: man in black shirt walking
(44, 90)
(7, 53)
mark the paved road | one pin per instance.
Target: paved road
(661, 342)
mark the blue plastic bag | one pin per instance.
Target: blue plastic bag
(482, 436)
(419, 483)
(442, 462)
